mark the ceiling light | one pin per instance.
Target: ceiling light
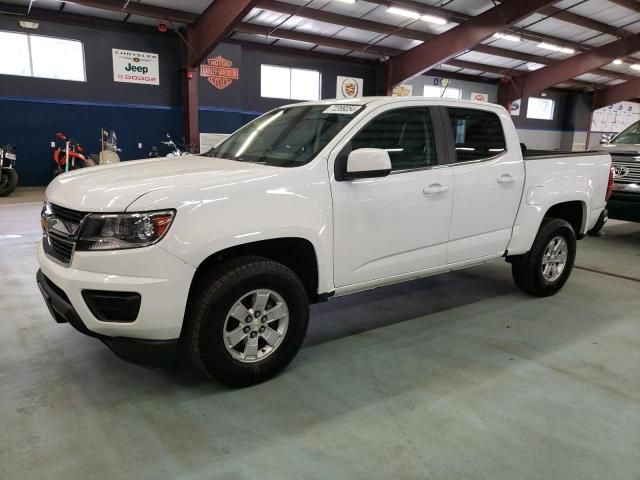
(432, 19)
(635, 66)
(617, 61)
(504, 36)
(346, 1)
(415, 15)
(531, 66)
(30, 25)
(403, 12)
(556, 48)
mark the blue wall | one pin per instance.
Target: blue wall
(32, 124)
(32, 110)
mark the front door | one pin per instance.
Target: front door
(398, 224)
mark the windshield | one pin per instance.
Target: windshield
(287, 137)
(630, 135)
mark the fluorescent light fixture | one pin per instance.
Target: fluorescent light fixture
(556, 48)
(433, 19)
(415, 15)
(635, 66)
(617, 61)
(505, 36)
(403, 12)
(346, 1)
(28, 24)
(531, 66)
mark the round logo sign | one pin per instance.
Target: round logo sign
(349, 88)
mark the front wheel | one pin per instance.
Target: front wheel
(246, 320)
(8, 181)
(545, 269)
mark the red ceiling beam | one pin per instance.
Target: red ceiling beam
(343, 20)
(618, 93)
(135, 8)
(534, 82)
(316, 39)
(586, 22)
(632, 5)
(384, 28)
(463, 37)
(215, 23)
(482, 67)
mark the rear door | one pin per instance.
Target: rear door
(398, 224)
(489, 178)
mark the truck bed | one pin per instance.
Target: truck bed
(542, 154)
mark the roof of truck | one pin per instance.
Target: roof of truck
(383, 100)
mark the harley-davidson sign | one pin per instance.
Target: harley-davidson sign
(220, 72)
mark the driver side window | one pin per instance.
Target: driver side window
(405, 134)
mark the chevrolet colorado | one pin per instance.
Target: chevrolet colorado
(219, 255)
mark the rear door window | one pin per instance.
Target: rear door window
(478, 134)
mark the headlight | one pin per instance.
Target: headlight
(115, 231)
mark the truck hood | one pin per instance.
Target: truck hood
(112, 188)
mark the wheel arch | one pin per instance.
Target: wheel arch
(297, 253)
(575, 212)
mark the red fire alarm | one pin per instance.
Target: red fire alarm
(189, 75)
(162, 27)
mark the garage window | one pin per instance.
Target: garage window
(442, 92)
(478, 134)
(540, 108)
(14, 54)
(289, 83)
(44, 57)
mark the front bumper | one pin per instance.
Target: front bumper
(153, 353)
(151, 337)
(624, 206)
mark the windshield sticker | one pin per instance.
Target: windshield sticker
(343, 109)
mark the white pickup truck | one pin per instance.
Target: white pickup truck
(219, 255)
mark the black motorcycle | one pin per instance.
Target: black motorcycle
(8, 174)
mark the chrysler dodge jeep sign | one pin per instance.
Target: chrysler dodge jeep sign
(135, 67)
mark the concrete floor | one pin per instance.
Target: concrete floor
(456, 376)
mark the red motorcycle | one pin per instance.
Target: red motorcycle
(69, 156)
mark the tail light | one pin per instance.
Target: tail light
(610, 184)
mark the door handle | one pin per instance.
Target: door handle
(506, 178)
(434, 189)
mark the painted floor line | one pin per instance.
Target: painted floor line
(616, 275)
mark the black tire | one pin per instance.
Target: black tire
(527, 270)
(211, 301)
(8, 182)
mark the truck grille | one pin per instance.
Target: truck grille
(627, 169)
(58, 248)
(67, 215)
(61, 228)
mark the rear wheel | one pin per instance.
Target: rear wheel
(545, 269)
(246, 321)
(8, 181)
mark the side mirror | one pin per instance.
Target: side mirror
(606, 138)
(523, 148)
(368, 163)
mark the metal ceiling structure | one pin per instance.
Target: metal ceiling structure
(366, 29)
(590, 45)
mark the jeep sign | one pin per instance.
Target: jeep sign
(135, 67)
